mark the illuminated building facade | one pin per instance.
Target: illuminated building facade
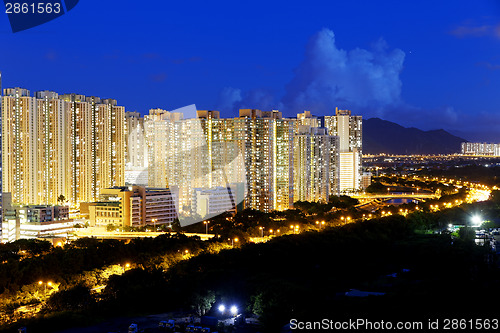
(265, 140)
(96, 147)
(67, 146)
(19, 143)
(134, 206)
(315, 164)
(349, 130)
(1, 171)
(73, 146)
(35, 221)
(481, 148)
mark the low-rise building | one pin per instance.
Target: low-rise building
(35, 221)
(134, 206)
(208, 202)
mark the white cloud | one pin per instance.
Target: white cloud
(356, 79)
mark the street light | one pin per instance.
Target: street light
(476, 220)
(125, 266)
(206, 226)
(154, 224)
(49, 283)
(234, 310)
(261, 231)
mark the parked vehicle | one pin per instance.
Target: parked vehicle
(133, 328)
(167, 325)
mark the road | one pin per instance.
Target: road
(100, 232)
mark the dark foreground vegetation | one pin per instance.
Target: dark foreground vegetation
(303, 276)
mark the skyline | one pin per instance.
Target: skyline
(422, 65)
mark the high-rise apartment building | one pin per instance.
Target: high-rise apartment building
(315, 164)
(67, 146)
(260, 149)
(177, 154)
(52, 158)
(480, 148)
(135, 138)
(349, 130)
(1, 171)
(136, 154)
(97, 146)
(20, 143)
(265, 141)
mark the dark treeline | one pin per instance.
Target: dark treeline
(44, 262)
(305, 277)
(247, 223)
(398, 184)
(487, 175)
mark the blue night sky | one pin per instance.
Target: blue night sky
(426, 64)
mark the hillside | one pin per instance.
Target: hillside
(382, 136)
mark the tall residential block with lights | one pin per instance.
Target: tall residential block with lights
(266, 142)
(20, 145)
(349, 130)
(97, 146)
(1, 171)
(56, 146)
(177, 153)
(278, 160)
(315, 164)
(480, 148)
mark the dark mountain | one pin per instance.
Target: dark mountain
(382, 136)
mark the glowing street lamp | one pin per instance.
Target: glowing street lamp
(154, 224)
(476, 220)
(222, 308)
(261, 231)
(234, 310)
(125, 266)
(49, 283)
(206, 226)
